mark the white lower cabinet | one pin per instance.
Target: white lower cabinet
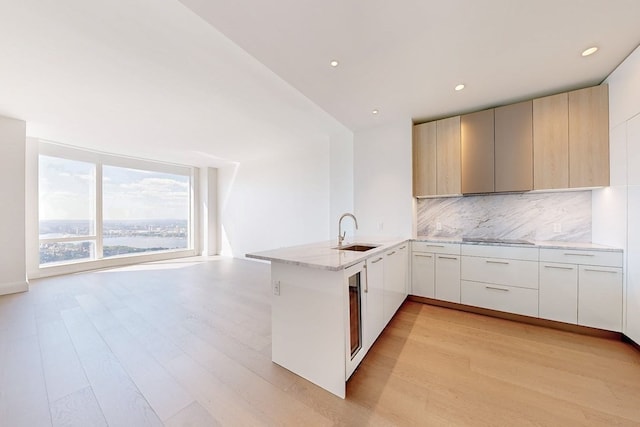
(490, 280)
(510, 299)
(447, 278)
(578, 286)
(600, 297)
(435, 270)
(582, 287)
(559, 292)
(374, 294)
(395, 280)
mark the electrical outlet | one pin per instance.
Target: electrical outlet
(276, 287)
(380, 226)
(557, 227)
(438, 226)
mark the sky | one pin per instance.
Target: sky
(67, 192)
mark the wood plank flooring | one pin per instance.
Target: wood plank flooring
(188, 343)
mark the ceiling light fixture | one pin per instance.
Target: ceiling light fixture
(589, 51)
(334, 63)
(375, 112)
(459, 87)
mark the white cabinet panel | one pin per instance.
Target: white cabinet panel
(491, 251)
(500, 271)
(633, 151)
(395, 280)
(374, 292)
(423, 269)
(558, 294)
(618, 155)
(600, 297)
(571, 256)
(435, 247)
(502, 298)
(447, 277)
(632, 325)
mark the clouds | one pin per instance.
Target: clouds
(67, 191)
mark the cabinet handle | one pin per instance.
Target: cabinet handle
(600, 271)
(497, 289)
(391, 253)
(378, 260)
(558, 267)
(570, 254)
(435, 246)
(495, 262)
(402, 247)
(448, 257)
(423, 255)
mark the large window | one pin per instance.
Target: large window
(94, 206)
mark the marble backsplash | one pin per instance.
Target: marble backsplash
(563, 216)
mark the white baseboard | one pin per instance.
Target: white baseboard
(12, 288)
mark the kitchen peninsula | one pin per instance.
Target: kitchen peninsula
(330, 304)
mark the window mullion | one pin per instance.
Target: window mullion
(98, 212)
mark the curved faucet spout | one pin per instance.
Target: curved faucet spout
(341, 235)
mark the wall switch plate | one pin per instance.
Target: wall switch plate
(276, 287)
(557, 227)
(438, 226)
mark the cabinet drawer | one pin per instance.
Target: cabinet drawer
(500, 271)
(585, 257)
(435, 247)
(502, 298)
(600, 297)
(496, 251)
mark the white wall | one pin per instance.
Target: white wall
(340, 182)
(13, 270)
(383, 180)
(275, 200)
(616, 210)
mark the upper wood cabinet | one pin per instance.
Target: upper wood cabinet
(448, 156)
(551, 142)
(477, 138)
(436, 158)
(555, 142)
(514, 147)
(424, 159)
(589, 137)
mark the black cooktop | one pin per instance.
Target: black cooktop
(496, 240)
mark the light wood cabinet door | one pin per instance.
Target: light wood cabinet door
(589, 137)
(424, 159)
(514, 147)
(477, 145)
(551, 142)
(448, 156)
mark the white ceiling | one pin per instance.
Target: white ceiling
(236, 79)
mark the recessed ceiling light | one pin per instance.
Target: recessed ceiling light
(375, 112)
(334, 63)
(459, 87)
(589, 51)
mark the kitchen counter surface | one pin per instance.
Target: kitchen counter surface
(324, 255)
(536, 244)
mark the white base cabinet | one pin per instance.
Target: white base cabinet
(600, 297)
(435, 270)
(395, 280)
(509, 299)
(582, 287)
(559, 292)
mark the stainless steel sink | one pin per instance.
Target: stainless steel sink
(358, 247)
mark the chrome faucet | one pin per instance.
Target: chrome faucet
(341, 235)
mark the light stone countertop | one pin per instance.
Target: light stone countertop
(324, 255)
(536, 244)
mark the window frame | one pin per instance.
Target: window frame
(100, 159)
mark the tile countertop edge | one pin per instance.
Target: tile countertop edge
(324, 256)
(536, 244)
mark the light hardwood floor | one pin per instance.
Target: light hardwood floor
(188, 343)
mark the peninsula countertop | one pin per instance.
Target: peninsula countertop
(326, 255)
